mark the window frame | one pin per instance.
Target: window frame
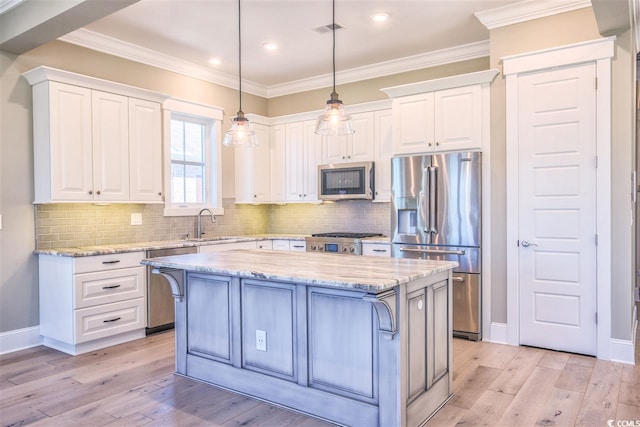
(211, 117)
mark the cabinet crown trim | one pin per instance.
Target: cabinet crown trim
(43, 73)
(478, 77)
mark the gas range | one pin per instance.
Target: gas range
(340, 243)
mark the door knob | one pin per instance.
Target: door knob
(526, 244)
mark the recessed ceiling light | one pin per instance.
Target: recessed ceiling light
(380, 16)
(215, 61)
(270, 46)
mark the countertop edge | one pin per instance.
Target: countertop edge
(83, 251)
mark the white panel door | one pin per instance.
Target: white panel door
(277, 165)
(295, 162)
(313, 156)
(110, 146)
(458, 118)
(145, 150)
(71, 149)
(557, 209)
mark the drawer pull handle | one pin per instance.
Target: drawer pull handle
(298, 246)
(111, 287)
(112, 320)
(379, 250)
(433, 251)
(111, 262)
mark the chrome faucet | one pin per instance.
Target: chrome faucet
(199, 230)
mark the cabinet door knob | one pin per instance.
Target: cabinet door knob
(160, 193)
(437, 144)
(98, 192)
(429, 144)
(90, 191)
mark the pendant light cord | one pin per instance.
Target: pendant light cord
(333, 30)
(239, 58)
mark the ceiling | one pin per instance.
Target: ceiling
(183, 35)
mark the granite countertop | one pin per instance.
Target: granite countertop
(161, 244)
(318, 269)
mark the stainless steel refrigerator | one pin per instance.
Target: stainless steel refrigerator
(435, 214)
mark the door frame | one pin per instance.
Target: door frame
(600, 52)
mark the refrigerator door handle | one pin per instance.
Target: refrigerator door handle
(433, 251)
(457, 278)
(433, 197)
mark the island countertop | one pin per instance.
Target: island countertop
(371, 274)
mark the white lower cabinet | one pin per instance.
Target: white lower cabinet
(376, 249)
(289, 245)
(221, 247)
(88, 303)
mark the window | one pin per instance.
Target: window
(192, 158)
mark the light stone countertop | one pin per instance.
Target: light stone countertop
(371, 274)
(161, 244)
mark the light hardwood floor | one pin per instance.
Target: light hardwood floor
(132, 384)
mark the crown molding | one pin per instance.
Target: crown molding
(493, 18)
(112, 46)
(527, 10)
(381, 69)
(478, 77)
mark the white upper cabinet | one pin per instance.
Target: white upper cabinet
(444, 120)
(252, 169)
(62, 133)
(145, 151)
(383, 137)
(458, 118)
(357, 147)
(277, 157)
(303, 150)
(413, 124)
(92, 141)
(110, 124)
(448, 114)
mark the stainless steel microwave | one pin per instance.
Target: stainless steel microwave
(346, 181)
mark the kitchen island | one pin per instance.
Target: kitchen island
(359, 341)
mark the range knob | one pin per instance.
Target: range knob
(313, 247)
(352, 249)
(344, 249)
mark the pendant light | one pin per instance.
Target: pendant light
(241, 133)
(334, 121)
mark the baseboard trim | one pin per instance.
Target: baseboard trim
(19, 339)
(498, 333)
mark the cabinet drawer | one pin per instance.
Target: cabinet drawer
(297, 246)
(105, 287)
(109, 319)
(107, 262)
(280, 245)
(376, 249)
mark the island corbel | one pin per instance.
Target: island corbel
(385, 304)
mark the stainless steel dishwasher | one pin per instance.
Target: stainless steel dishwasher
(160, 303)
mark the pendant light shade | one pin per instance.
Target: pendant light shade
(241, 133)
(334, 121)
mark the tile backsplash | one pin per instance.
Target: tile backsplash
(349, 215)
(72, 225)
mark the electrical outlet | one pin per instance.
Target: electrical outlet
(261, 340)
(136, 219)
